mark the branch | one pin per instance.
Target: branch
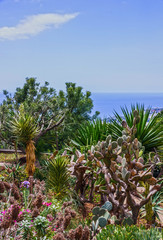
(43, 132)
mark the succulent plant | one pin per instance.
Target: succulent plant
(123, 169)
(99, 212)
(102, 222)
(101, 216)
(108, 206)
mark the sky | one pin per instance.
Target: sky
(101, 45)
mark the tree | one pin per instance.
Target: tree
(49, 109)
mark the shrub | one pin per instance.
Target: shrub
(112, 232)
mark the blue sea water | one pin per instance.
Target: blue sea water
(106, 103)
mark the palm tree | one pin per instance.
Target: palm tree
(149, 129)
(24, 129)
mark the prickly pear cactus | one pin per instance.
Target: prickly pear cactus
(101, 216)
(102, 222)
(98, 212)
(108, 206)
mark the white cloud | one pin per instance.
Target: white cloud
(33, 25)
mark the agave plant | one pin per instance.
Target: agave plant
(24, 129)
(90, 133)
(149, 129)
(59, 176)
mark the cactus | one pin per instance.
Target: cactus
(114, 145)
(95, 210)
(102, 222)
(108, 206)
(101, 215)
(122, 166)
(120, 141)
(108, 139)
(98, 212)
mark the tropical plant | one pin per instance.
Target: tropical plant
(149, 129)
(90, 133)
(59, 176)
(23, 130)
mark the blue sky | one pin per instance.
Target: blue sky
(102, 45)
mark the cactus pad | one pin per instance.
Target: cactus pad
(107, 205)
(95, 210)
(114, 145)
(102, 222)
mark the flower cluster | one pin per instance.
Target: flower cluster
(25, 184)
(47, 204)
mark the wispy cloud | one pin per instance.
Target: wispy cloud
(33, 25)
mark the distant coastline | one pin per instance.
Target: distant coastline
(106, 103)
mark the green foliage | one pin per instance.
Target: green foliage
(14, 173)
(25, 229)
(41, 223)
(61, 114)
(90, 133)
(22, 126)
(149, 131)
(59, 176)
(112, 232)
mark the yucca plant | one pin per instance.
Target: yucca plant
(90, 133)
(149, 129)
(24, 129)
(59, 176)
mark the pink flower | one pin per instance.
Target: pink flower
(47, 204)
(55, 229)
(31, 220)
(28, 210)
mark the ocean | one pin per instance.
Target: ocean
(106, 103)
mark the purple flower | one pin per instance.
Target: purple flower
(25, 184)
